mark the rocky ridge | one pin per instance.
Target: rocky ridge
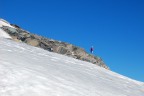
(70, 50)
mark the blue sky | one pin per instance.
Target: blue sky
(114, 27)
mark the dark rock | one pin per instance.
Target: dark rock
(14, 25)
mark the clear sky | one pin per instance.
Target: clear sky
(114, 27)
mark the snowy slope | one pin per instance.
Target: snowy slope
(4, 23)
(3, 33)
(30, 71)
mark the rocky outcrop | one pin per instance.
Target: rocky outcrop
(21, 35)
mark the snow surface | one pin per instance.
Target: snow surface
(4, 23)
(31, 71)
(2, 32)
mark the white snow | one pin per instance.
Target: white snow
(31, 71)
(2, 32)
(4, 23)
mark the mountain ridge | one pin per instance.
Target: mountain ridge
(19, 34)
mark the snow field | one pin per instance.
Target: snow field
(31, 71)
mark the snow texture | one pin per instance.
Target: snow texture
(31, 71)
(4, 23)
(3, 34)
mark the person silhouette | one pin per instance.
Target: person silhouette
(91, 49)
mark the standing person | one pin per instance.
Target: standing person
(91, 49)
